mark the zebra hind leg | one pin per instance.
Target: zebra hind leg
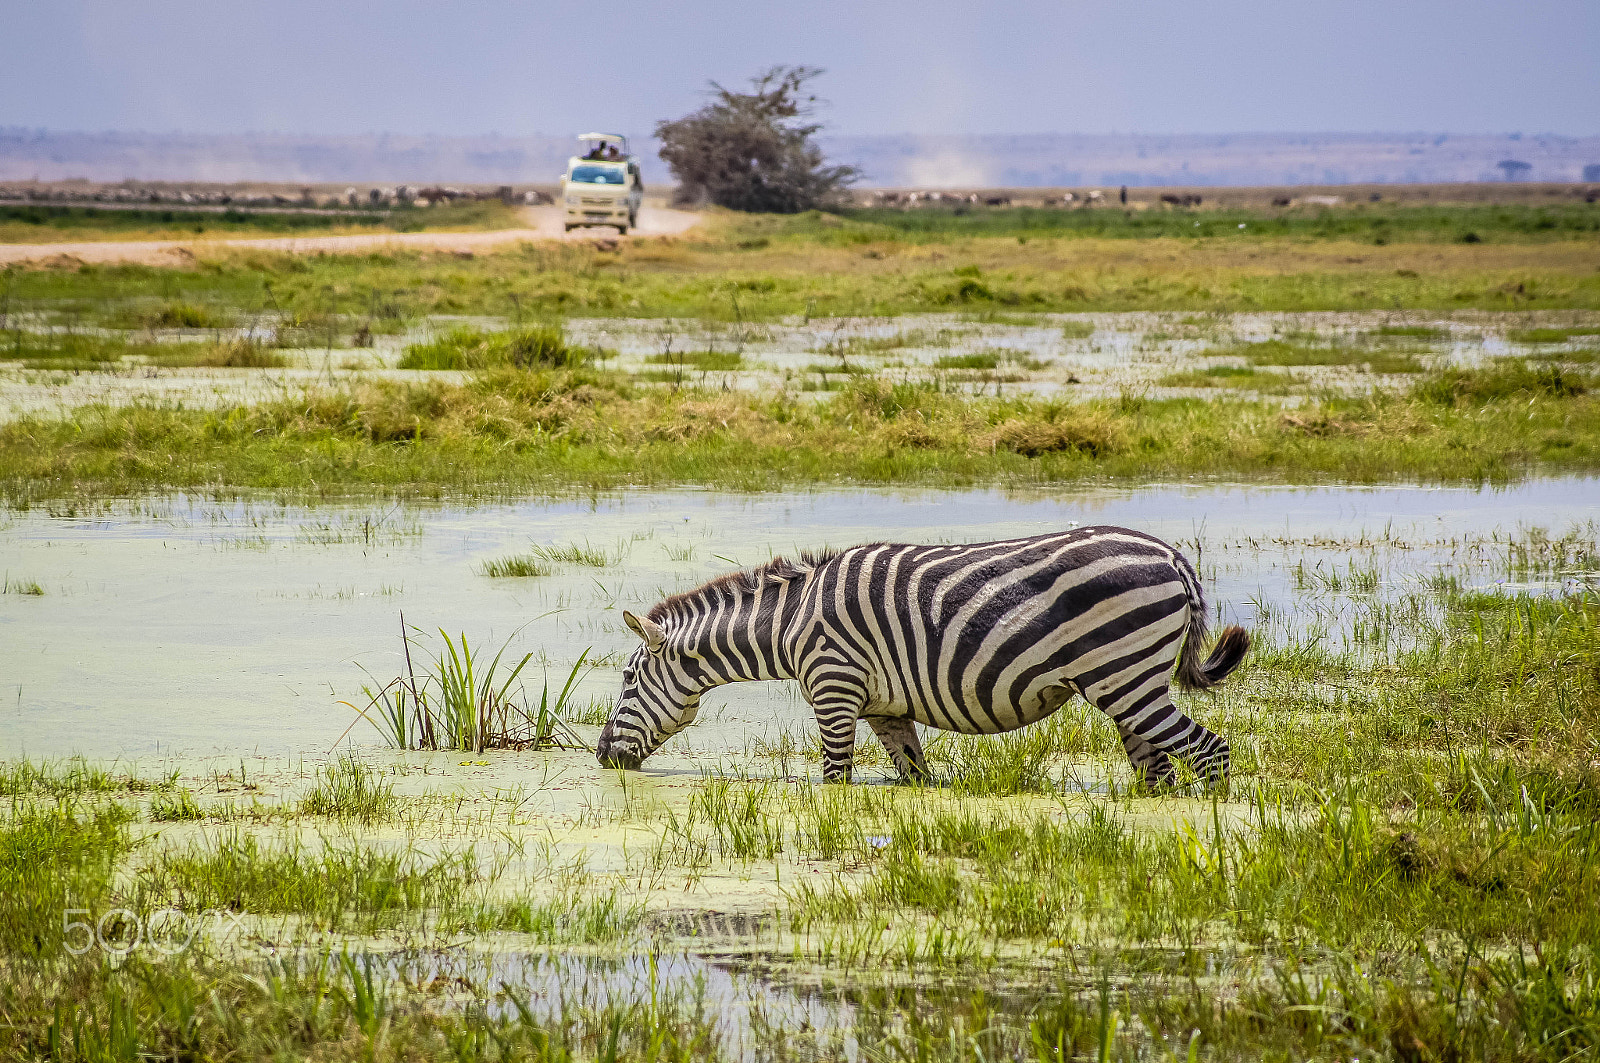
(899, 738)
(1152, 768)
(1160, 731)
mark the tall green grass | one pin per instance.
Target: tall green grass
(54, 857)
(512, 431)
(463, 699)
(334, 885)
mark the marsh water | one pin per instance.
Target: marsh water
(188, 627)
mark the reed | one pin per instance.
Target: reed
(465, 700)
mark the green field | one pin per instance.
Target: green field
(26, 223)
(892, 262)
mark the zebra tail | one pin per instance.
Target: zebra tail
(1234, 643)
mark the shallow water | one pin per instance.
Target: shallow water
(191, 628)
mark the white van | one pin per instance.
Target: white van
(602, 186)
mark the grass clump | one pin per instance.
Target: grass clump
(516, 566)
(1221, 376)
(989, 360)
(356, 1005)
(1090, 432)
(179, 314)
(704, 361)
(1501, 382)
(349, 789)
(12, 585)
(175, 806)
(1281, 353)
(574, 554)
(466, 347)
(237, 353)
(465, 701)
(1412, 332)
(1552, 335)
(99, 351)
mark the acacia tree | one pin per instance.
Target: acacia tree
(753, 150)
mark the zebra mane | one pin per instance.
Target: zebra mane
(734, 585)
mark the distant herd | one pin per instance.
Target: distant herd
(1091, 198)
(380, 198)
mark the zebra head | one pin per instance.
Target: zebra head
(660, 697)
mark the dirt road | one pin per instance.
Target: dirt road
(544, 223)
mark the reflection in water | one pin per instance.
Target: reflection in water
(191, 627)
(746, 1015)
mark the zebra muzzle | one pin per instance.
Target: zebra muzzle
(612, 754)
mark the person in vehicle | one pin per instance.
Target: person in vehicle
(598, 151)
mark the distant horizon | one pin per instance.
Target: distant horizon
(900, 160)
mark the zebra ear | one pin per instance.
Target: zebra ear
(646, 629)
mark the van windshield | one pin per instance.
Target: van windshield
(590, 174)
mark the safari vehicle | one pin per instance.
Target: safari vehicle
(603, 185)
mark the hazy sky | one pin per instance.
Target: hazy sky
(921, 66)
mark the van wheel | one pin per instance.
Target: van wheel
(571, 227)
(622, 230)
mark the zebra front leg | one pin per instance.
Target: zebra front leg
(837, 721)
(899, 738)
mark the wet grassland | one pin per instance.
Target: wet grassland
(1340, 412)
(1404, 865)
(875, 346)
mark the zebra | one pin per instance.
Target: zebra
(980, 639)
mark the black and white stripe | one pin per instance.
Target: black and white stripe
(980, 639)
